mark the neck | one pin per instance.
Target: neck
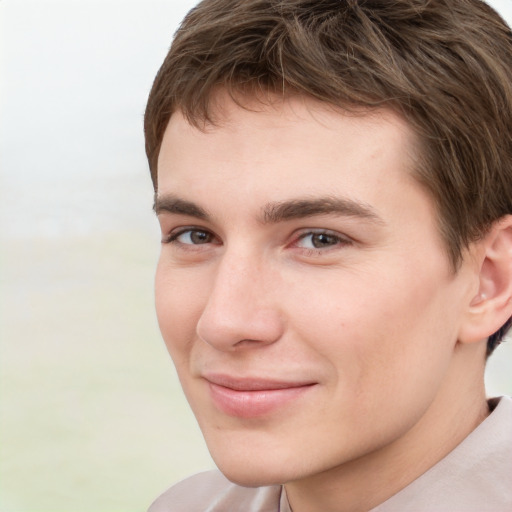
(361, 484)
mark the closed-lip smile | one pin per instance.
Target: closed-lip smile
(250, 397)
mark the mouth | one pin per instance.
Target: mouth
(254, 397)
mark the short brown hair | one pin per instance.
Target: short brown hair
(444, 65)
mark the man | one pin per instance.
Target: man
(333, 184)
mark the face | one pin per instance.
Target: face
(303, 290)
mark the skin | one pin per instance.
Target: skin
(361, 302)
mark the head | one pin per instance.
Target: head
(444, 66)
(423, 88)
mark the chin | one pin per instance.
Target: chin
(263, 466)
(247, 474)
(246, 467)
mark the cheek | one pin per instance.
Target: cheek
(179, 300)
(385, 351)
(378, 333)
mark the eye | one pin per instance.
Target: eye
(320, 240)
(191, 237)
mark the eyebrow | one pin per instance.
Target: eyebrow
(280, 211)
(300, 208)
(173, 204)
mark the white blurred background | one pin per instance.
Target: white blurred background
(91, 415)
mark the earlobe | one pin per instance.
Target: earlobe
(491, 307)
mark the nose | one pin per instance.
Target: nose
(241, 311)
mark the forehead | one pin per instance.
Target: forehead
(301, 134)
(266, 151)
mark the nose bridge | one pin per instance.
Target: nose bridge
(240, 307)
(235, 284)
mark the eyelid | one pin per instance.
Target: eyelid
(342, 241)
(303, 233)
(177, 232)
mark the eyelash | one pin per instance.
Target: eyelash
(172, 238)
(339, 240)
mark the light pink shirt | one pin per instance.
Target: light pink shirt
(475, 477)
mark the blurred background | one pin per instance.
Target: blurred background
(91, 414)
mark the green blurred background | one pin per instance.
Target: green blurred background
(91, 415)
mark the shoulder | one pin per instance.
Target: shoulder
(475, 477)
(211, 491)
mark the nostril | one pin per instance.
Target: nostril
(247, 342)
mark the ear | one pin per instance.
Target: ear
(491, 307)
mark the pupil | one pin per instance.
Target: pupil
(199, 237)
(322, 240)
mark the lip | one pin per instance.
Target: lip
(253, 397)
